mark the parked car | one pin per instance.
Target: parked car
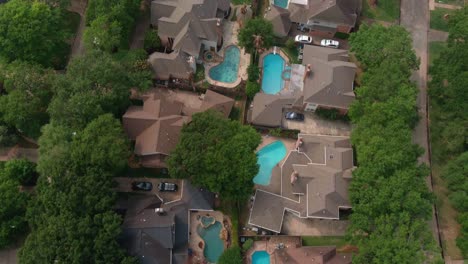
(303, 39)
(294, 116)
(167, 187)
(142, 186)
(330, 43)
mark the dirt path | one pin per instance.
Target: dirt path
(415, 18)
(78, 6)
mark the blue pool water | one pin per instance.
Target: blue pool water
(273, 66)
(281, 3)
(227, 70)
(260, 257)
(214, 246)
(267, 158)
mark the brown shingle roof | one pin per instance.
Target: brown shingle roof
(334, 11)
(316, 255)
(331, 80)
(156, 125)
(279, 17)
(173, 65)
(267, 109)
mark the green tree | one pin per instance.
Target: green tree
(253, 72)
(375, 44)
(94, 84)
(20, 170)
(103, 34)
(8, 137)
(455, 175)
(228, 163)
(257, 34)
(231, 255)
(29, 91)
(251, 89)
(31, 31)
(12, 211)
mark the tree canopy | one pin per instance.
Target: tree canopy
(228, 161)
(71, 217)
(29, 91)
(31, 31)
(390, 199)
(257, 34)
(94, 84)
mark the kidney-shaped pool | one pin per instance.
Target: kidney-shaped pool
(227, 70)
(267, 158)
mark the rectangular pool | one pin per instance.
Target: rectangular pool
(260, 257)
(272, 80)
(281, 3)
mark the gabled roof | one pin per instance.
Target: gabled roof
(173, 65)
(279, 18)
(156, 125)
(330, 82)
(316, 255)
(335, 11)
(267, 109)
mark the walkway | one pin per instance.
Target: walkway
(78, 6)
(415, 18)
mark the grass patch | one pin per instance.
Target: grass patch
(232, 210)
(240, 2)
(200, 73)
(437, 18)
(386, 10)
(292, 54)
(337, 241)
(435, 49)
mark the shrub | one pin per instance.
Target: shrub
(152, 41)
(7, 137)
(251, 89)
(276, 132)
(341, 35)
(331, 114)
(290, 44)
(235, 113)
(247, 244)
(254, 72)
(231, 255)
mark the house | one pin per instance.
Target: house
(320, 17)
(187, 28)
(161, 237)
(279, 18)
(324, 80)
(155, 126)
(314, 180)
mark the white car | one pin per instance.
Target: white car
(330, 43)
(303, 39)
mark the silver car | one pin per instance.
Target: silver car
(330, 43)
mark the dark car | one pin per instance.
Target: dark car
(294, 116)
(142, 186)
(167, 187)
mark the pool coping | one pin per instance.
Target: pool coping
(280, 52)
(209, 65)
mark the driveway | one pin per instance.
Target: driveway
(313, 124)
(125, 185)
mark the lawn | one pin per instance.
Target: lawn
(230, 209)
(437, 18)
(386, 10)
(324, 241)
(240, 2)
(435, 48)
(292, 54)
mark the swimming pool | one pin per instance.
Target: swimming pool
(260, 257)
(214, 246)
(281, 3)
(227, 70)
(267, 158)
(273, 65)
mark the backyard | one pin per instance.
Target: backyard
(386, 10)
(337, 241)
(439, 18)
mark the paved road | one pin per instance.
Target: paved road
(415, 18)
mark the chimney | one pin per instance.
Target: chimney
(307, 71)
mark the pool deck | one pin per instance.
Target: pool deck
(231, 30)
(285, 58)
(195, 239)
(270, 244)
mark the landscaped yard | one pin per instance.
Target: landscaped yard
(324, 241)
(200, 73)
(435, 48)
(437, 18)
(386, 10)
(240, 2)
